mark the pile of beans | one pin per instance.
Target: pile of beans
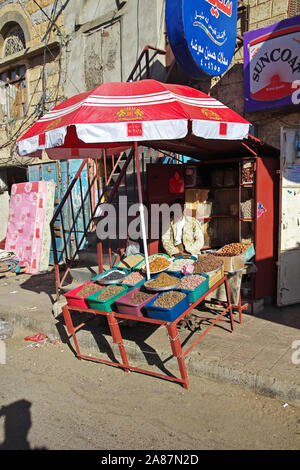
(139, 297)
(233, 249)
(88, 289)
(207, 263)
(169, 299)
(163, 280)
(130, 261)
(109, 292)
(113, 276)
(157, 264)
(133, 278)
(178, 264)
(247, 209)
(191, 282)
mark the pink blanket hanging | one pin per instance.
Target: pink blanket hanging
(26, 223)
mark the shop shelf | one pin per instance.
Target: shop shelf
(167, 314)
(77, 301)
(104, 305)
(195, 294)
(125, 307)
(99, 276)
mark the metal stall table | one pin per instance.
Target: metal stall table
(172, 329)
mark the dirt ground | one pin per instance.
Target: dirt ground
(51, 400)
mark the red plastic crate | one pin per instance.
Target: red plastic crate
(77, 301)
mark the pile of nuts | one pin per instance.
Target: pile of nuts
(207, 263)
(247, 209)
(109, 292)
(163, 280)
(169, 299)
(133, 278)
(139, 297)
(191, 282)
(88, 290)
(130, 261)
(233, 249)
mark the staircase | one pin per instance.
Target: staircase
(114, 177)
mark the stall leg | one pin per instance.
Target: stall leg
(70, 328)
(229, 303)
(177, 352)
(117, 338)
(240, 307)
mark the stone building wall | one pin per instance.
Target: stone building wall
(41, 56)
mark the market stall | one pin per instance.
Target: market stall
(165, 299)
(111, 118)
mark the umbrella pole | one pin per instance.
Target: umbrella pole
(141, 208)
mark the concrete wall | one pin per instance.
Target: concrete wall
(106, 38)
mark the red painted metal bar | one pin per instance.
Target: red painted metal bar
(206, 331)
(117, 338)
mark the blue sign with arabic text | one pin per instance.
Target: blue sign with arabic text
(202, 34)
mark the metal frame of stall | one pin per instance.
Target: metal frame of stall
(172, 329)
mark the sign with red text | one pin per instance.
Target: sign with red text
(272, 66)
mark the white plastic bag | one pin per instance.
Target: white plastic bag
(132, 248)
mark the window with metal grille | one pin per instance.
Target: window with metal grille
(294, 8)
(12, 94)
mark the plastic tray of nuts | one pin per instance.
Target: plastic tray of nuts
(167, 314)
(197, 292)
(176, 276)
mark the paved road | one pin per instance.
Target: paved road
(50, 400)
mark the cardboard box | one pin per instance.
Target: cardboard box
(233, 263)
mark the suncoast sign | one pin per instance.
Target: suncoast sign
(272, 65)
(202, 34)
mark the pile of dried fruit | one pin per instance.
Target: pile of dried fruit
(109, 292)
(133, 278)
(88, 290)
(207, 263)
(233, 249)
(113, 276)
(157, 264)
(130, 261)
(163, 280)
(191, 282)
(139, 297)
(169, 299)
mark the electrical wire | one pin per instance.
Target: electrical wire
(40, 107)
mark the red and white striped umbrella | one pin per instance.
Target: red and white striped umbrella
(116, 114)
